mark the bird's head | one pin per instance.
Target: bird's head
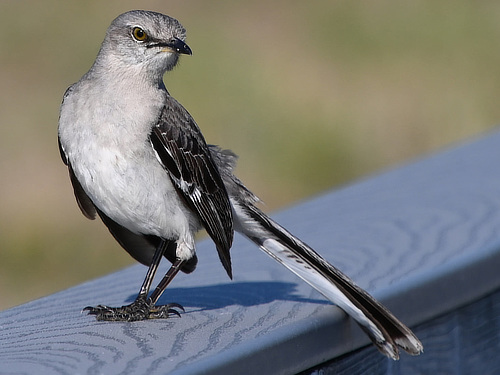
(149, 41)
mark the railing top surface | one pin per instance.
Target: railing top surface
(412, 236)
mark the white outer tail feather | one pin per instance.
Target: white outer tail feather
(386, 332)
(318, 282)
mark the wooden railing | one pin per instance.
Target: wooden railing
(423, 238)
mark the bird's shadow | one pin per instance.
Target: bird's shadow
(218, 296)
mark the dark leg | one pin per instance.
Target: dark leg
(143, 307)
(169, 276)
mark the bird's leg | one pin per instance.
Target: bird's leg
(169, 276)
(143, 307)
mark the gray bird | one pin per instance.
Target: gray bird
(137, 159)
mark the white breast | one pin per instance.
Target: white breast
(113, 160)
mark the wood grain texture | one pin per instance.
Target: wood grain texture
(423, 238)
(464, 341)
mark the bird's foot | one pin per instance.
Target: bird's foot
(140, 309)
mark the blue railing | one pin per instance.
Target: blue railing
(423, 238)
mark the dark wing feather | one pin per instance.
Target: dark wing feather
(182, 150)
(83, 200)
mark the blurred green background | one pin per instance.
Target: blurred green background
(309, 94)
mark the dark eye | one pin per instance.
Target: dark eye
(139, 34)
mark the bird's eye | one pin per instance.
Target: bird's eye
(139, 34)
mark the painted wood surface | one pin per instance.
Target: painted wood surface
(423, 238)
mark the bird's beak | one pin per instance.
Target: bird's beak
(178, 46)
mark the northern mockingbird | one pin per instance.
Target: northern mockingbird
(138, 160)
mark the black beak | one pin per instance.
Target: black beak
(175, 45)
(180, 47)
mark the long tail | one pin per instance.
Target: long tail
(383, 328)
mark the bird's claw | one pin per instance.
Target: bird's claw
(140, 309)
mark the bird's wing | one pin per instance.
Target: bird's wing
(183, 152)
(83, 200)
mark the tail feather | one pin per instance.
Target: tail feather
(383, 328)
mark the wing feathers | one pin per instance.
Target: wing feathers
(83, 200)
(180, 147)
